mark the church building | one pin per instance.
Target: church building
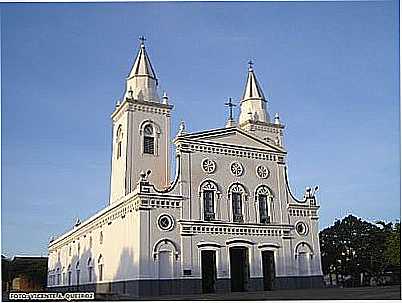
(226, 221)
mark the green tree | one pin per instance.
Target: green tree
(352, 247)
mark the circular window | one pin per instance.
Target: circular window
(262, 172)
(301, 229)
(208, 166)
(236, 168)
(165, 222)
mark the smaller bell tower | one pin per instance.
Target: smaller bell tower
(254, 116)
(141, 130)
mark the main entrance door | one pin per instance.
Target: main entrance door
(208, 268)
(268, 269)
(239, 268)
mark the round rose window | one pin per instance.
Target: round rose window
(165, 222)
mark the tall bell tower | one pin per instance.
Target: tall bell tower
(141, 130)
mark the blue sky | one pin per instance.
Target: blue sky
(331, 69)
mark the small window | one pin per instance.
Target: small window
(149, 140)
(119, 139)
(90, 242)
(208, 196)
(263, 208)
(237, 207)
(101, 237)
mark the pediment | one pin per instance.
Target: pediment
(233, 137)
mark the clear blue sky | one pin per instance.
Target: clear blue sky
(331, 69)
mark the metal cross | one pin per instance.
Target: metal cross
(250, 63)
(142, 39)
(230, 105)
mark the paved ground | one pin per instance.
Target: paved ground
(359, 293)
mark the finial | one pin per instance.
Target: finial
(250, 64)
(165, 98)
(130, 92)
(182, 128)
(118, 103)
(276, 119)
(142, 39)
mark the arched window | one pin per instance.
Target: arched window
(264, 198)
(119, 140)
(77, 272)
(100, 267)
(101, 237)
(237, 196)
(90, 270)
(208, 194)
(149, 139)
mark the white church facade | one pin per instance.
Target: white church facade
(226, 221)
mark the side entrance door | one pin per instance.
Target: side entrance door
(208, 268)
(268, 269)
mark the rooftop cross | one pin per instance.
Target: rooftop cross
(230, 105)
(250, 64)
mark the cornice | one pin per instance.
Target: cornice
(127, 104)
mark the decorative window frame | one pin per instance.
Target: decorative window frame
(306, 228)
(156, 135)
(171, 219)
(240, 165)
(158, 247)
(238, 188)
(101, 268)
(264, 190)
(305, 249)
(212, 186)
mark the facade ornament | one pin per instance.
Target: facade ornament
(77, 222)
(276, 119)
(182, 128)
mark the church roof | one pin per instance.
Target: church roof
(218, 135)
(142, 66)
(252, 89)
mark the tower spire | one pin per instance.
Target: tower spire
(253, 100)
(142, 81)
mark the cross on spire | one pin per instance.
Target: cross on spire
(250, 64)
(142, 39)
(230, 105)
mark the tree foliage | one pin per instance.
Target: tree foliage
(352, 247)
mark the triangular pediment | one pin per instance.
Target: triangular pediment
(234, 137)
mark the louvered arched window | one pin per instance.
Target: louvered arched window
(149, 139)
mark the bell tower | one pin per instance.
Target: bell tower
(141, 130)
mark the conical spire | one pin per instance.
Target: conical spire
(252, 89)
(142, 81)
(253, 101)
